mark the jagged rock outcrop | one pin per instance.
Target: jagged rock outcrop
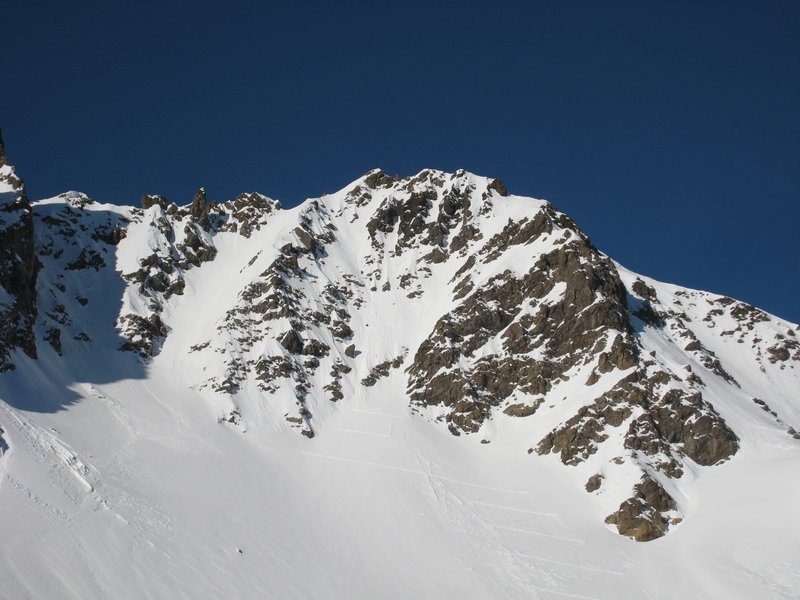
(149, 200)
(247, 214)
(3, 443)
(647, 514)
(200, 209)
(543, 335)
(18, 266)
(182, 238)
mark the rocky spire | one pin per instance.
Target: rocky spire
(200, 208)
(10, 182)
(3, 157)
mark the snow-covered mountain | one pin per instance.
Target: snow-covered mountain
(416, 387)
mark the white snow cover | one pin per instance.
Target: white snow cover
(122, 478)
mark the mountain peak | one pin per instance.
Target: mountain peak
(365, 331)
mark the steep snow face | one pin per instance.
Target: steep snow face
(420, 384)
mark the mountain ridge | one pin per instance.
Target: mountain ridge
(486, 312)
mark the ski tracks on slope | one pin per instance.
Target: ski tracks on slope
(80, 487)
(65, 469)
(527, 549)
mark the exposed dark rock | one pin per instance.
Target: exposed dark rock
(53, 337)
(777, 354)
(19, 268)
(706, 356)
(292, 341)
(58, 313)
(408, 214)
(522, 410)
(145, 335)
(234, 418)
(746, 314)
(200, 209)
(622, 356)
(785, 349)
(578, 438)
(594, 483)
(712, 363)
(315, 348)
(195, 248)
(382, 370)
(306, 240)
(111, 237)
(435, 256)
(247, 213)
(149, 200)
(269, 368)
(674, 423)
(378, 179)
(641, 289)
(592, 306)
(87, 259)
(12, 178)
(334, 388)
(498, 187)
(341, 330)
(643, 516)
(175, 288)
(515, 233)
(687, 419)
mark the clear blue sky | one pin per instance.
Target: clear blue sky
(669, 130)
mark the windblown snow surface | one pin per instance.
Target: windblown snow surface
(131, 476)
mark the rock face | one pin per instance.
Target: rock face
(3, 443)
(18, 266)
(473, 306)
(543, 334)
(200, 208)
(645, 516)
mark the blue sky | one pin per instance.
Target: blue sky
(668, 130)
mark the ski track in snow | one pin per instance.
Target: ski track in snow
(379, 414)
(568, 595)
(572, 565)
(539, 534)
(412, 471)
(514, 509)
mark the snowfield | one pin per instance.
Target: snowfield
(185, 472)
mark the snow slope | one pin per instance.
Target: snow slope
(250, 402)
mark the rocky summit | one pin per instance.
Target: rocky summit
(487, 321)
